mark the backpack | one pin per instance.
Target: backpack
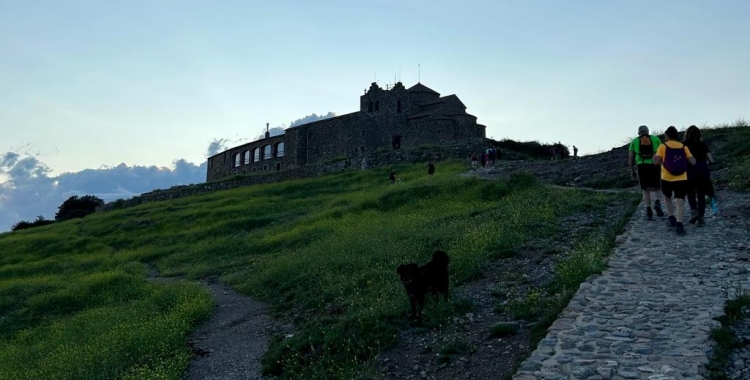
(675, 160)
(645, 147)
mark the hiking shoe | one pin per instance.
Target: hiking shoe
(649, 214)
(657, 208)
(680, 229)
(701, 222)
(693, 216)
(672, 222)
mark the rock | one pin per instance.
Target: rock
(582, 372)
(744, 256)
(605, 372)
(629, 374)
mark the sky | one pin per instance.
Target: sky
(135, 94)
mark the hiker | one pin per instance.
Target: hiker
(474, 160)
(699, 175)
(392, 176)
(575, 153)
(674, 158)
(640, 159)
(499, 154)
(491, 156)
(483, 159)
(430, 168)
(553, 152)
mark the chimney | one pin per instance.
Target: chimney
(268, 133)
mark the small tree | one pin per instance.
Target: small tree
(75, 207)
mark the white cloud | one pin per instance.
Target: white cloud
(29, 191)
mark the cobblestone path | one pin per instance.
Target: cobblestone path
(649, 315)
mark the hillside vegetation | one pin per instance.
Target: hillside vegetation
(75, 301)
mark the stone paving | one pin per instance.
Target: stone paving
(649, 315)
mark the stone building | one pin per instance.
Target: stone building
(387, 118)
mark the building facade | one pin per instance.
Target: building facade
(392, 118)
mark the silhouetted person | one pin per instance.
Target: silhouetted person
(699, 175)
(392, 176)
(430, 168)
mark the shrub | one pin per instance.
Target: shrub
(40, 221)
(75, 207)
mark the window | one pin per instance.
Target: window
(256, 154)
(247, 157)
(278, 166)
(280, 149)
(377, 105)
(398, 106)
(267, 152)
(369, 107)
(265, 167)
(237, 161)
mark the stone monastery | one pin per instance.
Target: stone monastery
(391, 118)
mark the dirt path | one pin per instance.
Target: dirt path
(231, 344)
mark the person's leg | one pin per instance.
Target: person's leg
(656, 186)
(667, 190)
(645, 181)
(691, 192)
(680, 188)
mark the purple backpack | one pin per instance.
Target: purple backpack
(675, 160)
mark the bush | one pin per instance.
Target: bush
(40, 221)
(75, 207)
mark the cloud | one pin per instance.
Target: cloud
(217, 146)
(29, 191)
(311, 118)
(275, 131)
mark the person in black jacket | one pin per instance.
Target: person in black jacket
(699, 175)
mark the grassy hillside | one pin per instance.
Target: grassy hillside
(75, 301)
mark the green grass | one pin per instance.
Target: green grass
(542, 304)
(725, 340)
(75, 303)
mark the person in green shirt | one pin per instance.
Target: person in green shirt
(640, 159)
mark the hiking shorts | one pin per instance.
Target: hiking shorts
(675, 189)
(649, 176)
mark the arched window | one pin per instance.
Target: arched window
(267, 152)
(237, 158)
(256, 154)
(247, 157)
(280, 149)
(369, 107)
(377, 105)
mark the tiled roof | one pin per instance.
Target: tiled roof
(419, 87)
(447, 105)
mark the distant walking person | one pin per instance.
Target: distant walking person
(575, 152)
(392, 176)
(474, 160)
(430, 168)
(483, 159)
(699, 175)
(553, 152)
(640, 159)
(674, 158)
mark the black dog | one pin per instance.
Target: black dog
(418, 281)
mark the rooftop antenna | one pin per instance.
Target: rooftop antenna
(419, 71)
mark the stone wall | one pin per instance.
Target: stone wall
(379, 158)
(223, 165)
